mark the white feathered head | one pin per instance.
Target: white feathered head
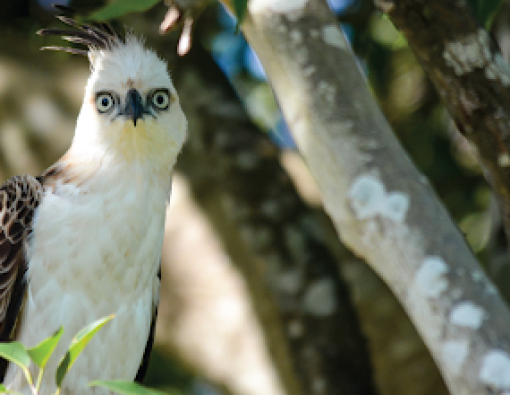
(131, 110)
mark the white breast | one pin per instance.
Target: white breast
(95, 251)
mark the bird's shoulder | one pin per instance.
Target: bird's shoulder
(19, 198)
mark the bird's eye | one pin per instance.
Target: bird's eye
(160, 99)
(104, 102)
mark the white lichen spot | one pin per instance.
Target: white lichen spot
(270, 208)
(477, 275)
(282, 29)
(454, 354)
(369, 199)
(504, 69)
(247, 160)
(290, 281)
(498, 70)
(491, 72)
(296, 36)
(301, 55)
(318, 385)
(468, 53)
(504, 160)
(495, 371)
(456, 293)
(314, 33)
(467, 315)
(370, 144)
(296, 329)
(491, 289)
(332, 35)
(278, 6)
(308, 71)
(367, 195)
(424, 180)
(395, 206)
(431, 276)
(319, 299)
(327, 91)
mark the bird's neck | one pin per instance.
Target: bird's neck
(97, 169)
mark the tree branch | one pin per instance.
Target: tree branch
(309, 321)
(383, 208)
(470, 75)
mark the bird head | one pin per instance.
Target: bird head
(131, 110)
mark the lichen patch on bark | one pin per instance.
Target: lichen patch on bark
(431, 276)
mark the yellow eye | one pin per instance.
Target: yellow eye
(104, 102)
(160, 99)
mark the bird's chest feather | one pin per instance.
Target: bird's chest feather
(92, 255)
(95, 243)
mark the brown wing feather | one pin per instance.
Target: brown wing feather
(19, 197)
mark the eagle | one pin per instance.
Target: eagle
(83, 240)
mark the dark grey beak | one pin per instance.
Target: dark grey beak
(134, 105)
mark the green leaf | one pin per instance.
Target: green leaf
(485, 10)
(42, 352)
(4, 390)
(15, 352)
(120, 8)
(240, 8)
(129, 388)
(78, 344)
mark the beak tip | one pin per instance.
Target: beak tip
(134, 105)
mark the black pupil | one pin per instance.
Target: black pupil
(105, 101)
(160, 99)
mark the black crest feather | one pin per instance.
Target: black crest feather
(97, 35)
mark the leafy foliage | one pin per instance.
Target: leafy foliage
(16, 352)
(41, 353)
(77, 346)
(485, 10)
(120, 8)
(129, 388)
(240, 9)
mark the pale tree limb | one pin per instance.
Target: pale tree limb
(309, 322)
(382, 207)
(470, 75)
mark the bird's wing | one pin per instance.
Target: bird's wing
(19, 198)
(144, 365)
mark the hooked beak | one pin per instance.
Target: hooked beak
(134, 105)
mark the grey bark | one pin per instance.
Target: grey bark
(469, 73)
(382, 207)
